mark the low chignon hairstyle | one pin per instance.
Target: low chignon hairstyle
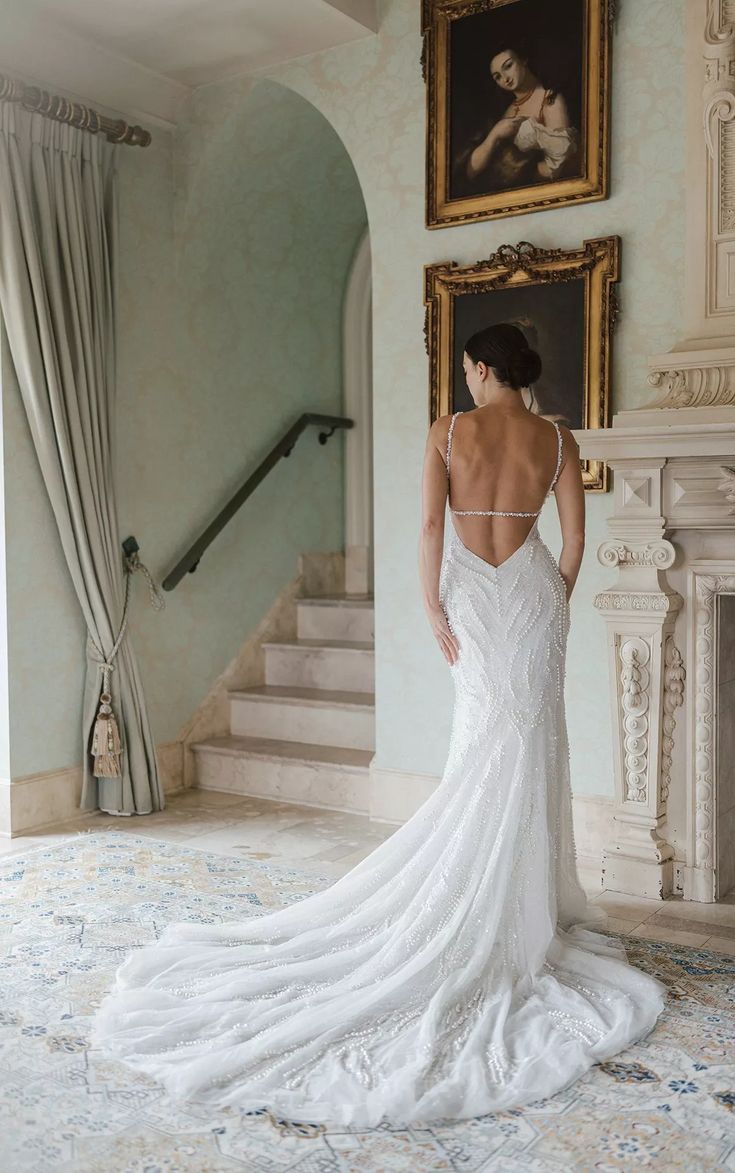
(504, 348)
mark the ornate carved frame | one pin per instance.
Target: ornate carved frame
(597, 263)
(437, 16)
(706, 583)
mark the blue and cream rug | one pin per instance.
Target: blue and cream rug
(69, 914)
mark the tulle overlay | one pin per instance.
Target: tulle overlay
(453, 972)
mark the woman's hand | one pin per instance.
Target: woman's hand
(444, 637)
(507, 127)
(480, 157)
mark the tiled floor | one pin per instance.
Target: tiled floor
(331, 842)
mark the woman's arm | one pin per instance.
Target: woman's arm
(569, 492)
(504, 128)
(431, 539)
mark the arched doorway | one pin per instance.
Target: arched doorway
(357, 373)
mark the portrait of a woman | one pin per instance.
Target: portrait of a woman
(517, 106)
(532, 141)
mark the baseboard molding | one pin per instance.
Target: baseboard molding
(396, 794)
(37, 801)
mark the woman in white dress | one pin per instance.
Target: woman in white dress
(453, 972)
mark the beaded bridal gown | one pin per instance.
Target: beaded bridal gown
(453, 972)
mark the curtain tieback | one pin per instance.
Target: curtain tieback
(106, 745)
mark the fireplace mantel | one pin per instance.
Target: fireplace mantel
(659, 432)
(671, 549)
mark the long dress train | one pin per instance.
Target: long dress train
(455, 970)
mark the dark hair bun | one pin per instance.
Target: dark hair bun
(504, 348)
(523, 369)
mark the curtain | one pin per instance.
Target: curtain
(57, 297)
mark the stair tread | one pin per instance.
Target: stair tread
(277, 748)
(338, 600)
(293, 692)
(349, 645)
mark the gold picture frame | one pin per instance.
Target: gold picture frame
(529, 167)
(557, 296)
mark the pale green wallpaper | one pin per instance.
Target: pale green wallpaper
(44, 624)
(237, 233)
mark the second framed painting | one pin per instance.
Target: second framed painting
(565, 303)
(517, 106)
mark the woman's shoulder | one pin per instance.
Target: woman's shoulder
(438, 436)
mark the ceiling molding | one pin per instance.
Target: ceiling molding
(364, 12)
(142, 60)
(47, 55)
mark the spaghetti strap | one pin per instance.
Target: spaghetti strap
(449, 439)
(558, 457)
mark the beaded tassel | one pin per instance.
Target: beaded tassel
(106, 745)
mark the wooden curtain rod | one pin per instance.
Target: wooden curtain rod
(62, 110)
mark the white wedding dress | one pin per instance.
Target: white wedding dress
(450, 973)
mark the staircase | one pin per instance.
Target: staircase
(307, 735)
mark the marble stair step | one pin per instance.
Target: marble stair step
(293, 771)
(320, 716)
(347, 665)
(345, 617)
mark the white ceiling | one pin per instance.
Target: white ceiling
(143, 57)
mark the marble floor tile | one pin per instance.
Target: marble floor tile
(690, 924)
(720, 945)
(616, 924)
(712, 914)
(672, 936)
(206, 798)
(626, 907)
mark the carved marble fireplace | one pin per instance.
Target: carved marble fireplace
(670, 604)
(670, 616)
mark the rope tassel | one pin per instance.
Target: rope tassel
(106, 746)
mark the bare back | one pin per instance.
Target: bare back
(507, 463)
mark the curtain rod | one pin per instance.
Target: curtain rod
(62, 110)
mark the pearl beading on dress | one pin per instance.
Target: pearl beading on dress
(503, 512)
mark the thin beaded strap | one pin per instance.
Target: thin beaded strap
(449, 439)
(558, 456)
(493, 513)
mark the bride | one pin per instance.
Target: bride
(454, 971)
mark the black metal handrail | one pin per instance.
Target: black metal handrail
(190, 561)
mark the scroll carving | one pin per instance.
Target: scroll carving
(674, 676)
(719, 90)
(635, 654)
(705, 386)
(660, 554)
(728, 485)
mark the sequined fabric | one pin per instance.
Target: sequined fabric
(456, 970)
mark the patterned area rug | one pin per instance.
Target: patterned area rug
(69, 914)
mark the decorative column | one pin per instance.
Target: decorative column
(646, 678)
